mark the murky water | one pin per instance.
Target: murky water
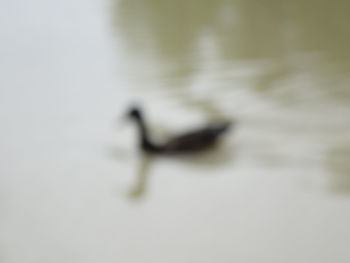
(73, 187)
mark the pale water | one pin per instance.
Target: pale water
(73, 187)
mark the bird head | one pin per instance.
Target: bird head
(134, 112)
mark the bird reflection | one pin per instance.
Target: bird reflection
(139, 188)
(218, 156)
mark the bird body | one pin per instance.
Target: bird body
(190, 142)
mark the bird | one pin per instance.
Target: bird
(193, 141)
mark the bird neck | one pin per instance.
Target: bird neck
(144, 139)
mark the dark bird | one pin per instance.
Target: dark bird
(193, 141)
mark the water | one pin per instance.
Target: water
(73, 187)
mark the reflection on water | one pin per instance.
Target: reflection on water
(339, 165)
(279, 67)
(216, 157)
(142, 176)
(174, 33)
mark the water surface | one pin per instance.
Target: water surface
(73, 187)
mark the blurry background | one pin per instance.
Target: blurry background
(73, 187)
